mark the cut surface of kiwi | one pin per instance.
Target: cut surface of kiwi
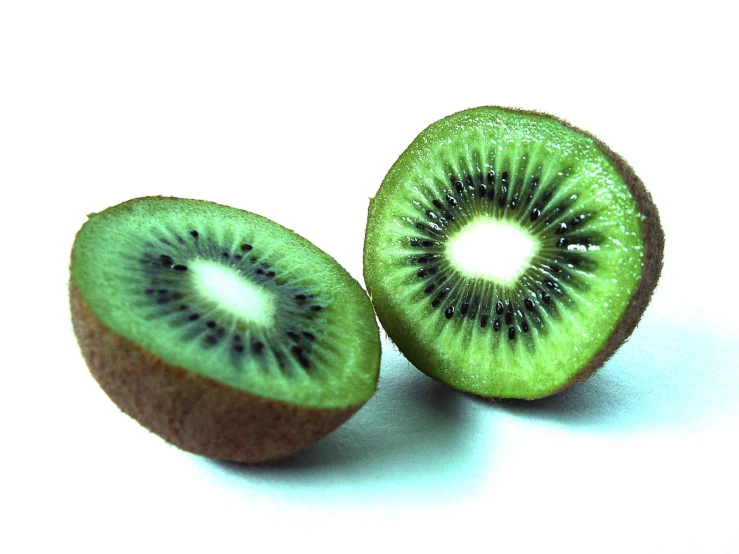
(226, 333)
(509, 254)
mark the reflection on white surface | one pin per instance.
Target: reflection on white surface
(415, 435)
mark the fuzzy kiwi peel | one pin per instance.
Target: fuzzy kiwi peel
(226, 384)
(596, 253)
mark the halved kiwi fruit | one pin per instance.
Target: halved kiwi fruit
(223, 332)
(509, 254)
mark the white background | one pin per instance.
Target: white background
(296, 111)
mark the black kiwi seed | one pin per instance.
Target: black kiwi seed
(257, 346)
(299, 355)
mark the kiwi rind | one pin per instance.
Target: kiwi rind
(194, 412)
(402, 331)
(654, 245)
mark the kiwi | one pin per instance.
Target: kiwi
(223, 332)
(509, 254)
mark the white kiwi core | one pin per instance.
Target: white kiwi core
(496, 250)
(232, 292)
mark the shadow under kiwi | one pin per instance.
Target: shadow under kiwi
(666, 375)
(414, 431)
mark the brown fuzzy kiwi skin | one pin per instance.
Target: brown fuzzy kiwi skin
(192, 412)
(654, 246)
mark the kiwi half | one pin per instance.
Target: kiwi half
(222, 331)
(509, 254)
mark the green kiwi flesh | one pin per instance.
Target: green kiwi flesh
(567, 251)
(220, 330)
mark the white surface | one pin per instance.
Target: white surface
(296, 112)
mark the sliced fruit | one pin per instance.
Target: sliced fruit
(509, 254)
(222, 331)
